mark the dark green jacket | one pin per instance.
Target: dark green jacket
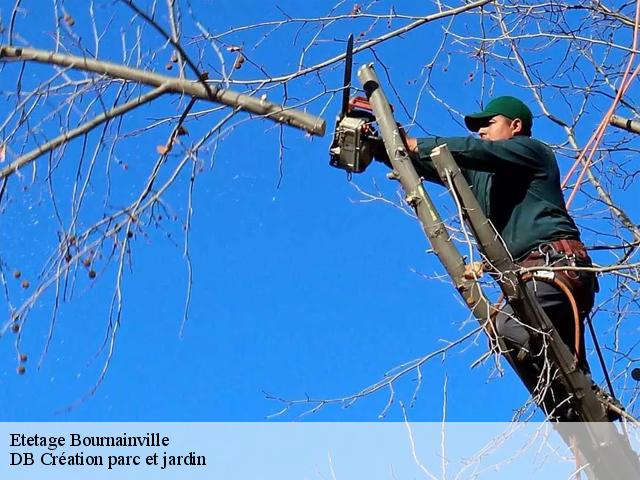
(516, 182)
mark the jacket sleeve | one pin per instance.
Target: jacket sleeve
(518, 154)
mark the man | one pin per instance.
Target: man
(517, 183)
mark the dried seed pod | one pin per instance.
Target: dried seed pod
(69, 20)
(23, 357)
(25, 284)
(86, 261)
(239, 61)
(21, 369)
(92, 274)
(16, 274)
(15, 327)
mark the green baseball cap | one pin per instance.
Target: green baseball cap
(510, 107)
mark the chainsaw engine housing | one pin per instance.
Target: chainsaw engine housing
(350, 150)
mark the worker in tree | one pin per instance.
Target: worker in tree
(517, 183)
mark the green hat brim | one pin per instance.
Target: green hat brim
(476, 121)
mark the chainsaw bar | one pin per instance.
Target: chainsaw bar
(348, 66)
(351, 149)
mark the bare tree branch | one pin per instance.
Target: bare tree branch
(261, 106)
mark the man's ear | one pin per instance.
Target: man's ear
(516, 126)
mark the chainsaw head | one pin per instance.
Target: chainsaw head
(351, 149)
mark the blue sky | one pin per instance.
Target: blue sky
(298, 289)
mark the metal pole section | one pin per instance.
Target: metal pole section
(600, 443)
(625, 123)
(432, 225)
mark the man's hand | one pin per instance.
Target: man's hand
(380, 153)
(410, 142)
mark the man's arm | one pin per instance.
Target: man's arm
(423, 165)
(519, 153)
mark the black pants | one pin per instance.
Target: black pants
(528, 351)
(557, 307)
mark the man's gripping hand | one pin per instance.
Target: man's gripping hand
(380, 153)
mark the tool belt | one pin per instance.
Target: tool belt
(570, 253)
(565, 246)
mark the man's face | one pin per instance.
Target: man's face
(500, 128)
